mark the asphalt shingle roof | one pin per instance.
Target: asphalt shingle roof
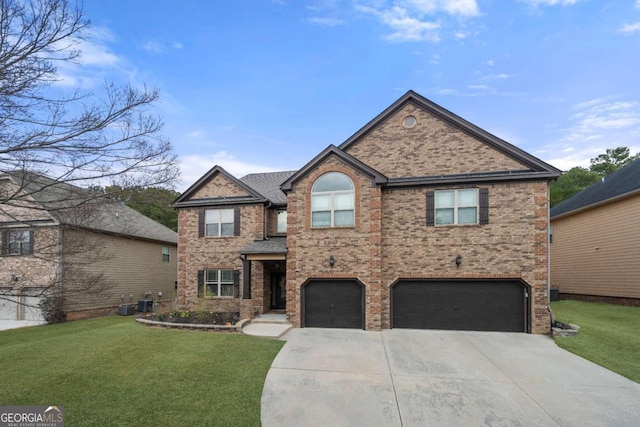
(75, 206)
(622, 181)
(273, 245)
(268, 185)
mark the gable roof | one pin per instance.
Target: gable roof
(268, 184)
(184, 200)
(79, 208)
(376, 177)
(537, 166)
(622, 183)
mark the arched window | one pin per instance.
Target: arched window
(333, 201)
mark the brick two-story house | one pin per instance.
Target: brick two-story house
(419, 220)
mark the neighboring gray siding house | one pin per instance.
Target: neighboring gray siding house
(94, 252)
(595, 249)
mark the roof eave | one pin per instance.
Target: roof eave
(458, 122)
(471, 179)
(377, 178)
(596, 205)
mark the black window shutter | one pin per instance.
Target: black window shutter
(31, 243)
(200, 283)
(484, 206)
(236, 283)
(236, 221)
(201, 223)
(430, 209)
(5, 242)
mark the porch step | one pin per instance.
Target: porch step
(271, 325)
(272, 318)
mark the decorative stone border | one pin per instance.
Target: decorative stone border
(560, 329)
(195, 326)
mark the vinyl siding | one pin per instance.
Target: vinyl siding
(130, 267)
(597, 252)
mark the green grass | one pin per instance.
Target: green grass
(113, 371)
(609, 334)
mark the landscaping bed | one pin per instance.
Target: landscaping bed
(198, 317)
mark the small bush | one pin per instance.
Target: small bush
(52, 308)
(199, 317)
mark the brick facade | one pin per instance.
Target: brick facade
(390, 239)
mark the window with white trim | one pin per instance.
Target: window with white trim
(282, 221)
(456, 206)
(218, 283)
(219, 222)
(333, 201)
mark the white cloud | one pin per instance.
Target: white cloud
(326, 22)
(419, 20)
(490, 63)
(550, 2)
(156, 46)
(596, 125)
(480, 87)
(630, 28)
(193, 167)
(638, 4)
(501, 76)
(435, 59)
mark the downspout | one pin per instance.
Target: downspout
(551, 317)
(264, 228)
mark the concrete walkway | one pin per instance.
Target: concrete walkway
(330, 377)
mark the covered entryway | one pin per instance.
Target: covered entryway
(468, 305)
(335, 303)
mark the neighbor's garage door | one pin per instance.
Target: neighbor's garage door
(470, 305)
(333, 304)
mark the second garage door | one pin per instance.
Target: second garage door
(471, 305)
(333, 304)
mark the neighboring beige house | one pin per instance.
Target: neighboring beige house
(95, 254)
(595, 250)
(418, 220)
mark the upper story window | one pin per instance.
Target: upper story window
(282, 221)
(333, 201)
(166, 254)
(17, 242)
(456, 206)
(219, 222)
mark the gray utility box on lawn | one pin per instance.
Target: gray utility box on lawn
(126, 310)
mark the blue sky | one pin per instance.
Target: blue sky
(265, 85)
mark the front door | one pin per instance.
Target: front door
(278, 291)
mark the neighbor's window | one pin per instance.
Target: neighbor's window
(218, 283)
(282, 221)
(333, 201)
(456, 206)
(165, 253)
(17, 242)
(219, 222)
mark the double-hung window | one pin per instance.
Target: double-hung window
(218, 283)
(17, 242)
(333, 201)
(456, 206)
(166, 252)
(219, 222)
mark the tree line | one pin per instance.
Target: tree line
(578, 178)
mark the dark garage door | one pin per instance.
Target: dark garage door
(470, 305)
(333, 304)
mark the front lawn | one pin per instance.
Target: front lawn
(113, 371)
(609, 334)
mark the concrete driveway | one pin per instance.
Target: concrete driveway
(332, 377)
(15, 324)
